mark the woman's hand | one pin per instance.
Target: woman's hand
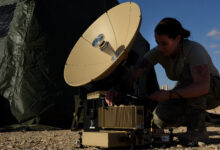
(110, 95)
(159, 96)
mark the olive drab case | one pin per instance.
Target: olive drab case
(121, 117)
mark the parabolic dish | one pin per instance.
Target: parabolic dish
(104, 45)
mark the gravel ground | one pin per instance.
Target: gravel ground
(67, 140)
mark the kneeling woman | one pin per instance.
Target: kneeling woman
(198, 86)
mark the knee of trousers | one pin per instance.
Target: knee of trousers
(198, 103)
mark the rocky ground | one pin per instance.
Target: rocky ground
(67, 139)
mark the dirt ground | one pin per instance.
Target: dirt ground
(67, 139)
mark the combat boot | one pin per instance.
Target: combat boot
(196, 129)
(197, 135)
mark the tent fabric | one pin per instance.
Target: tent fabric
(26, 80)
(36, 38)
(12, 52)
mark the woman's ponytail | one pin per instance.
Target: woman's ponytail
(185, 33)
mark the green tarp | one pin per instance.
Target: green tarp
(26, 80)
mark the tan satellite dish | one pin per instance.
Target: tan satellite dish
(104, 45)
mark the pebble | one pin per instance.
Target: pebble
(179, 146)
(201, 144)
(9, 146)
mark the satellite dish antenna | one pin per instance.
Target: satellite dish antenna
(104, 45)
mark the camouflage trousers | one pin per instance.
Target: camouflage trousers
(189, 112)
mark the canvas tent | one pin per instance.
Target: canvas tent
(36, 37)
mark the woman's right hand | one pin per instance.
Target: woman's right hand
(110, 95)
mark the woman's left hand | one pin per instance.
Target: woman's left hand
(159, 96)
